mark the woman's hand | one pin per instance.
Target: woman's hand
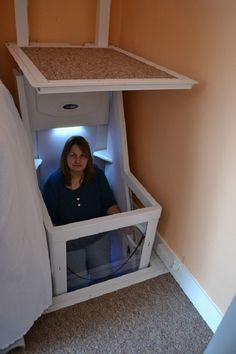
(114, 209)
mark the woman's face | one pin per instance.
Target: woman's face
(76, 160)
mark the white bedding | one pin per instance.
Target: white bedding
(25, 277)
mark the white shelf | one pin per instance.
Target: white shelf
(43, 85)
(103, 155)
(37, 163)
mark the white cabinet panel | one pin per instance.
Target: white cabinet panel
(66, 109)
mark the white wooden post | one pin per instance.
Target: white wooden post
(21, 19)
(148, 243)
(58, 267)
(23, 104)
(103, 22)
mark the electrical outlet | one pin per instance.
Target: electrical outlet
(176, 265)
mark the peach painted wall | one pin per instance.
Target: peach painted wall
(7, 34)
(182, 143)
(71, 21)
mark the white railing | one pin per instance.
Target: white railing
(59, 235)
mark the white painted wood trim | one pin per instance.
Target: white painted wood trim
(119, 108)
(102, 23)
(196, 294)
(58, 267)
(26, 65)
(79, 229)
(23, 104)
(156, 268)
(148, 243)
(21, 20)
(143, 195)
(110, 85)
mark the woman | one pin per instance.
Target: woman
(80, 191)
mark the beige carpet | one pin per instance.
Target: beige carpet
(151, 317)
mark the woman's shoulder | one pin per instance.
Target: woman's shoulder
(100, 176)
(97, 169)
(98, 172)
(56, 177)
(53, 185)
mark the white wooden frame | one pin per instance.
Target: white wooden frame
(149, 267)
(44, 86)
(59, 235)
(102, 23)
(21, 18)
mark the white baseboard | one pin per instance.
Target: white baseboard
(199, 298)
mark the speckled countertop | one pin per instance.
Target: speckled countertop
(65, 63)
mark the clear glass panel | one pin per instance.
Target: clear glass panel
(104, 256)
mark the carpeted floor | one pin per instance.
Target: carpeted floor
(151, 317)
